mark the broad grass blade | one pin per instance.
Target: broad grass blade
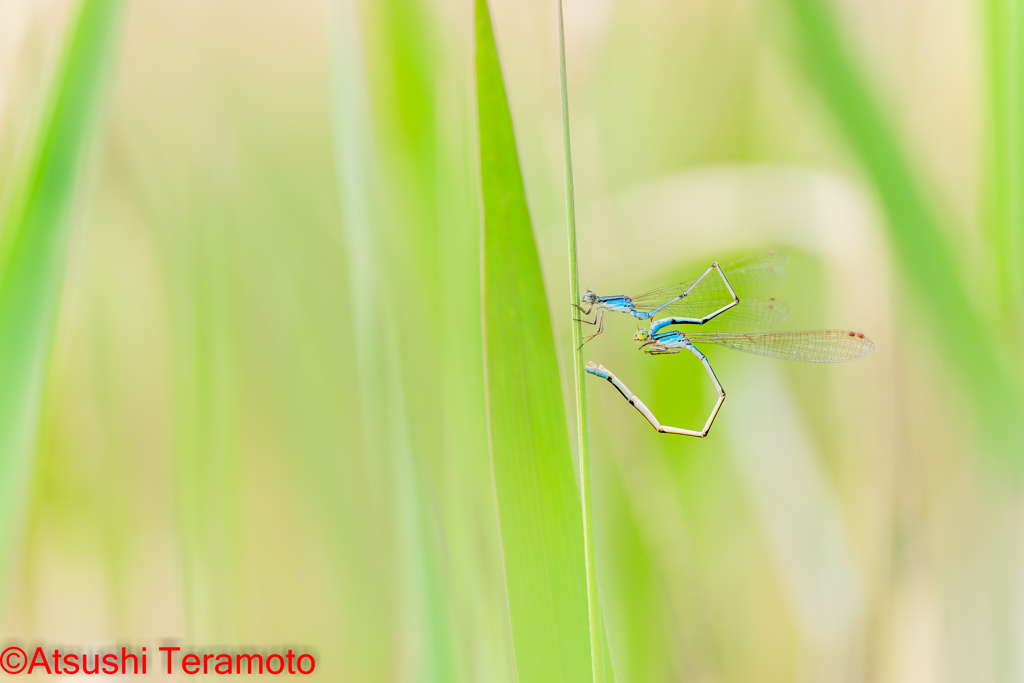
(34, 233)
(537, 499)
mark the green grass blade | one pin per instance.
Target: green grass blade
(540, 524)
(597, 634)
(926, 258)
(35, 233)
(1005, 201)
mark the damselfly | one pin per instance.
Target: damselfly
(714, 296)
(816, 346)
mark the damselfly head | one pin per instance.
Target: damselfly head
(589, 297)
(641, 335)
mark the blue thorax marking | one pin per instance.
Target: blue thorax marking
(616, 303)
(622, 304)
(670, 339)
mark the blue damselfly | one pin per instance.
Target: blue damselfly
(720, 294)
(815, 346)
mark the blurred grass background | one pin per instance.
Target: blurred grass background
(261, 418)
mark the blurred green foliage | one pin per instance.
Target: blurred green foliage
(259, 417)
(38, 215)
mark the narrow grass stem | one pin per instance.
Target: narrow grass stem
(582, 421)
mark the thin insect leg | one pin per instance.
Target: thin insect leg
(718, 385)
(665, 322)
(584, 312)
(604, 373)
(600, 328)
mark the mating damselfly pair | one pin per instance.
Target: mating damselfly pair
(713, 301)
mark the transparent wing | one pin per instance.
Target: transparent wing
(815, 346)
(750, 314)
(749, 275)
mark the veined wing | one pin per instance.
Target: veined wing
(749, 275)
(750, 314)
(815, 346)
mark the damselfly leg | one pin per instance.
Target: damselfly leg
(599, 321)
(584, 311)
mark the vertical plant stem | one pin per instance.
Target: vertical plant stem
(582, 420)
